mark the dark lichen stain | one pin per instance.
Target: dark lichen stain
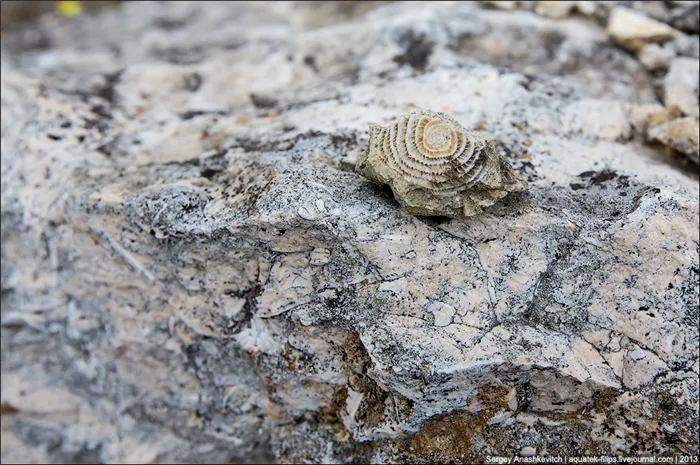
(355, 355)
(108, 91)
(255, 145)
(7, 408)
(209, 173)
(263, 101)
(552, 42)
(598, 177)
(169, 24)
(331, 415)
(181, 56)
(187, 115)
(297, 361)
(371, 410)
(193, 81)
(417, 52)
(446, 438)
(252, 186)
(603, 399)
(310, 61)
(356, 358)
(494, 397)
(107, 148)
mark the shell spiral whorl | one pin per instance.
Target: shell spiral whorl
(426, 148)
(437, 167)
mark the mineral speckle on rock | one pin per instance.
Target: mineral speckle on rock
(192, 271)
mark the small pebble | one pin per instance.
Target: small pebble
(306, 213)
(320, 205)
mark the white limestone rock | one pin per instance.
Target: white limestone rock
(555, 9)
(682, 85)
(687, 45)
(655, 56)
(632, 29)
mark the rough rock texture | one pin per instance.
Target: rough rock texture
(193, 272)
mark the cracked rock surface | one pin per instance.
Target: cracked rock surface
(192, 271)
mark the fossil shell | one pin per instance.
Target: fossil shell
(435, 167)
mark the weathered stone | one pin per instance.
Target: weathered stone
(586, 7)
(555, 9)
(664, 116)
(687, 45)
(682, 134)
(501, 4)
(633, 30)
(641, 115)
(655, 56)
(681, 85)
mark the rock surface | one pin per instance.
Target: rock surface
(682, 134)
(193, 272)
(633, 30)
(682, 85)
(654, 56)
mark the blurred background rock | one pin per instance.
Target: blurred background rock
(16, 13)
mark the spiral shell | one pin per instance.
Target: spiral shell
(435, 167)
